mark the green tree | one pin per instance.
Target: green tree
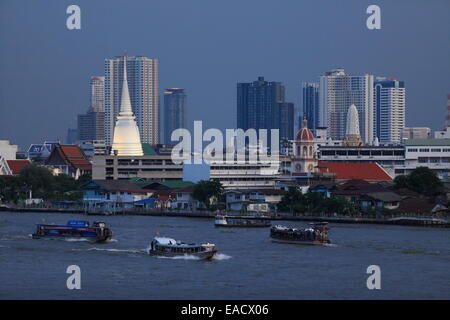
(421, 180)
(291, 200)
(37, 179)
(206, 190)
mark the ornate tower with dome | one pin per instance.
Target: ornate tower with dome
(305, 159)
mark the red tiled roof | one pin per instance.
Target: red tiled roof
(74, 156)
(349, 171)
(17, 165)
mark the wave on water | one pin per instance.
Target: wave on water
(221, 256)
(141, 251)
(14, 237)
(75, 239)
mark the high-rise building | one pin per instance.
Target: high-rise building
(72, 136)
(390, 108)
(91, 124)
(261, 105)
(338, 91)
(174, 112)
(286, 120)
(142, 74)
(98, 94)
(310, 92)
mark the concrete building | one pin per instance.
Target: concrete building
(431, 153)
(389, 157)
(310, 98)
(415, 133)
(91, 124)
(444, 134)
(142, 74)
(390, 109)
(338, 91)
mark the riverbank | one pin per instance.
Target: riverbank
(399, 220)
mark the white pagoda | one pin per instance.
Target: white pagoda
(126, 141)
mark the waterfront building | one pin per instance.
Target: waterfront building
(415, 133)
(127, 141)
(390, 109)
(174, 112)
(261, 105)
(352, 135)
(157, 165)
(142, 74)
(253, 200)
(68, 159)
(114, 191)
(311, 109)
(431, 153)
(389, 157)
(370, 172)
(337, 92)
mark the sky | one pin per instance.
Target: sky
(206, 47)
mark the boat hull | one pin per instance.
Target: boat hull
(204, 255)
(96, 239)
(301, 242)
(242, 226)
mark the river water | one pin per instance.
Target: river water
(414, 262)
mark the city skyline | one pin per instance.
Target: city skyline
(79, 54)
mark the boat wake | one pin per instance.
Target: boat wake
(185, 257)
(142, 251)
(75, 239)
(221, 256)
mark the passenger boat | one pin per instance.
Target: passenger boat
(74, 229)
(167, 247)
(242, 221)
(315, 234)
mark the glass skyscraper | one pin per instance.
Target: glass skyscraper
(174, 112)
(310, 105)
(261, 105)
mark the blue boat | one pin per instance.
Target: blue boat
(74, 229)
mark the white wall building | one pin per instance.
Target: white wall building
(431, 153)
(7, 150)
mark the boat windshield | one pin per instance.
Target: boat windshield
(165, 240)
